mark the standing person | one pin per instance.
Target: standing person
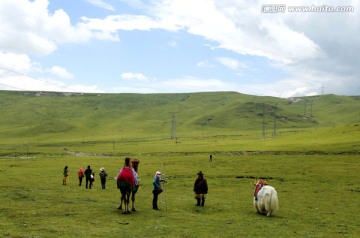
(210, 159)
(88, 173)
(103, 176)
(157, 189)
(134, 168)
(200, 189)
(66, 174)
(81, 175)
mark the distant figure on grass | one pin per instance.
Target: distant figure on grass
(265, 198)
(157, 189)
(200, 189)
(210, 158)
(66, 174)
(81, 175)
(88, 173)
(126, 184)
(103, 176)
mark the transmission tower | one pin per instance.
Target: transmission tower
(263, 122)
(173, 127)
(275, 119)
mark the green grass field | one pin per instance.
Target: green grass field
(318, 196)
(313, 163)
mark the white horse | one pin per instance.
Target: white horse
(265, 199)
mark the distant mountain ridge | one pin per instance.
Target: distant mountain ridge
(50, 113)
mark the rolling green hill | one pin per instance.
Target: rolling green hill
(55, 116)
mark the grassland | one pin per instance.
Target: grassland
(318, 197)
(313, 162)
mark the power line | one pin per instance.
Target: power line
(38, 79)
(6, 85)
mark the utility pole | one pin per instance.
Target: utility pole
(173, 126)
(263, 122)
(275, 120)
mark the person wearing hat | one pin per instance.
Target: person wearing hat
(103, 176)
(200, 189)
(157, 189)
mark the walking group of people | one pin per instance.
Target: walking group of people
(89, 176)
(200, 186)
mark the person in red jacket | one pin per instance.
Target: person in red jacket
(81, 175)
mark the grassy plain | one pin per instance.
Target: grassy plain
(313, 162)
(318, 195)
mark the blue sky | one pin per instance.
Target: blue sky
(179, 46)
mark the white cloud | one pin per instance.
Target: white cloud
(318, 42)
(61, 72)
(17, 62)
(137, 89)
(21, 64)
(177, 85)
(31, 84)
(110, 25)
(27, 83)
(304, 83)
(28, 27)
(194, 84)
(134, 76)
(294, 46)
(238, 27)
(84, 88)
(58, 29)
(102, 4)
(205, 64)
(231, 63)
(134, 3)
(313, 48)
(22, 27)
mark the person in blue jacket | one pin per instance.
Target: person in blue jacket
(157, 189)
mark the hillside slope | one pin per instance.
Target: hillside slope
(49, 114)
